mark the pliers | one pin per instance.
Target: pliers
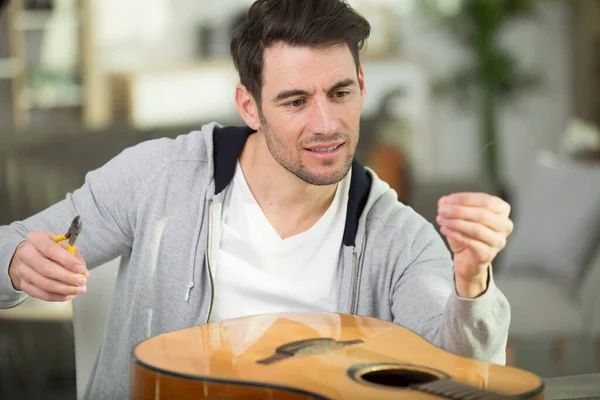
(71, 234)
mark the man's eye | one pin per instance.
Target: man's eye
(342, 94)
(296, 103)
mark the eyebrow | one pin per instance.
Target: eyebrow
(286, 94)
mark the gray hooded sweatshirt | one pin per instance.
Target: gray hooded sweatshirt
(158, 205)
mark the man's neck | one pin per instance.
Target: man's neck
(291, 205)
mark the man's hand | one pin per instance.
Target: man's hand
(46, 270)
(476, 226)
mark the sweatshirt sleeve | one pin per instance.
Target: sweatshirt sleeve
(425, 300)
(106, 203)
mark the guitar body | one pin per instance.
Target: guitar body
(314, 356)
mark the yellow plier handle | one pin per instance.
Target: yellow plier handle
(71, 234)
(64, 237)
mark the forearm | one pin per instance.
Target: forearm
(427, 302)
(9, 297)
(476, 328)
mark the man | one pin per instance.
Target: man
(273, 216)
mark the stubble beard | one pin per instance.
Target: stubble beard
(285, 157)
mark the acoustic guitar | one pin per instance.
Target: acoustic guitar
(314, 356)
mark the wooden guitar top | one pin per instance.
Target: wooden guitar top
(314, 355)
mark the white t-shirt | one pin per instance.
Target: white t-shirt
(257, 272)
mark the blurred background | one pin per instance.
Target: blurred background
(501, 96)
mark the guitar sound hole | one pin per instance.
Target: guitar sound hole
(394, 377)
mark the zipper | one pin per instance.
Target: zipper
(353, 303)
(208, 258)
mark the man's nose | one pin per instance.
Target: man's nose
(324, 120)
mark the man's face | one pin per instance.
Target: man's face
(311, 105)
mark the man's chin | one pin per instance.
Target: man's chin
(321, 177)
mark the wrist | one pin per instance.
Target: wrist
(472, 287)
(14, 279)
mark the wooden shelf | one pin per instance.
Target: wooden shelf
(29, 20)
(48, 98)
(36, 88)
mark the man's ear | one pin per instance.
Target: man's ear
(247, 107)
(361, 83)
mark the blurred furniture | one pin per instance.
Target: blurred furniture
(90, 314)
(550, 270)
(52, 62)
(390, 165)
(583, 387)
(38, 310)
(33, 347)
(198, 91)
(585, 39)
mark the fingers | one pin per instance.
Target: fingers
(484, 216)
(48, 286)
(475, 231)
(475, 216)
(85, 273)
(484, 252)
(33, 291)
(77, 254)
(58, 253)
(32, 258)
(482, 200)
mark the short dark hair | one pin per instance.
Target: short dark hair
(310, 23)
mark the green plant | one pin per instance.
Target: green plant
(492, 76)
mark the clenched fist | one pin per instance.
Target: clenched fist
(46, 270)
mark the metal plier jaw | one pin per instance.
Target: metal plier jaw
(72, 233)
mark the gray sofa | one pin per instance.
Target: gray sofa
(550, 270)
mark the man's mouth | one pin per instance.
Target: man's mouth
(325, 148)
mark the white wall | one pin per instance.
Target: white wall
(534, 122)
(138, 33)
